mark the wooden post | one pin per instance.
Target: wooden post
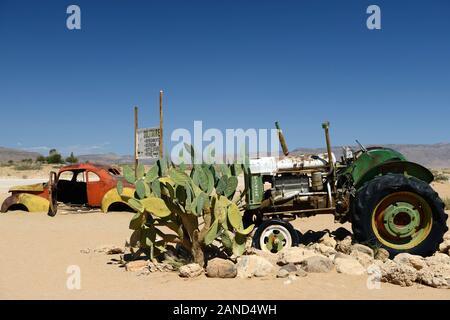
(136, 161)
(161, 142)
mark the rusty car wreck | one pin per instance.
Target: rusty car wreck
(90, 185)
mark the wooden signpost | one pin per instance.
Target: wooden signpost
(148, 142)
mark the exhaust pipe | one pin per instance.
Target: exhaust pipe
(282, 140)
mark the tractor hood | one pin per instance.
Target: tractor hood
(37, 187)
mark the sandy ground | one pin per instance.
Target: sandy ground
(36, 252)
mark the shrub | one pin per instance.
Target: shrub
(447, 203)
(439, 176)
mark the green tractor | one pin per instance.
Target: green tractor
(387, 199)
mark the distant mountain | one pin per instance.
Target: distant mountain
(10, 154)
(429, 155)
(108, 158)
(105, 158)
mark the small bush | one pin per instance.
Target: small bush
(72, 159)
(27, 166)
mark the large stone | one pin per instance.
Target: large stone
(328, 241)
(137, 265)
(295, 255)
(400, 274)
(438, 258)
(191, 270)
(416, 262)
(382, 254)
(364, 259)
(317, 264)
(289, 267)
(430, 278)
(253, 266)
(438, 266)
(363, 249)
(271, 257)
(221, 268)
(344, 245)
(349, 266)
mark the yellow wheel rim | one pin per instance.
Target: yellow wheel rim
(402, 220)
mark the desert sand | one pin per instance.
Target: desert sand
(37, 250)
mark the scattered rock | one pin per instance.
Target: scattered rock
(349, 266)
(115, 250)
(344, 245)
(400, 274)
(382, 254)
(253, 266)
(161, 267)
(221, 268)
(416, 262)
(362, 248)
(444, 247)
(109, 249)
(282, 273)
(87, 250)
(342, 256)
(295, 255)
(317, 264)
(323, 249)
(301, 273)
(328, 241)
(137, 265)
(191, 270)
(364, 259)
(271, 257)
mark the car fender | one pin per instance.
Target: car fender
(400, 167)
(32, 202)
(112, 196)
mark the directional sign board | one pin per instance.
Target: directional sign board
(148, 143)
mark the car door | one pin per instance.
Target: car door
(95, 189)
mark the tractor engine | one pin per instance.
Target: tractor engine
(297, 181)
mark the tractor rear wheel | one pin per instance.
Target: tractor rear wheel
(400, 214)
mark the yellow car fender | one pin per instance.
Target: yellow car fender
(32, 202)
(112, 196)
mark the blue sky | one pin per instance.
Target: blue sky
(232, 64)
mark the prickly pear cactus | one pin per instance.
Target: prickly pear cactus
(195, 209)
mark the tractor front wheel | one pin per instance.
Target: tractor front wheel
(400, 214)
(275, 235)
